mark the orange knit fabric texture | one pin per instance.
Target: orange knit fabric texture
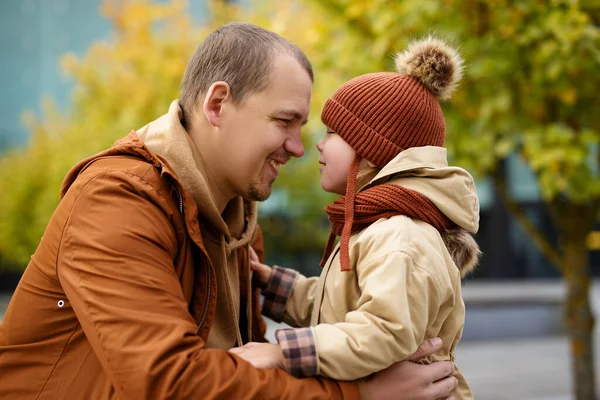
(381, 201)
(381, 114)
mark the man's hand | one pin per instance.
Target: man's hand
(262, 271)
(409, 381)
(261, 355)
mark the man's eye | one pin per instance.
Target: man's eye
(285, 121)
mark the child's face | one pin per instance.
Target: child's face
(336, 156)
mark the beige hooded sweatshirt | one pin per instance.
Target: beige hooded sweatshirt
(222, 234)
(405, 280)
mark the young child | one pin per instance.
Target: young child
(404, 219)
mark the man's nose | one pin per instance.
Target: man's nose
(293, 145)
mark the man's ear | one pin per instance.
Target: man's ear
(218, 93)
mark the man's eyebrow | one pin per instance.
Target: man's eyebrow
(291, 114)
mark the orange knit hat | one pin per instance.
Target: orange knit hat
(381, 114)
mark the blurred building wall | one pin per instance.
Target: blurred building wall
(34, 34)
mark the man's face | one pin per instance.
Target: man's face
(263, 132)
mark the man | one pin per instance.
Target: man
(141, 281)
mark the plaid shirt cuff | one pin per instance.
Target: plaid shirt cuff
(299, 351)
(277, 292)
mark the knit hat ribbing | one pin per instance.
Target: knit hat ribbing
(381, 114)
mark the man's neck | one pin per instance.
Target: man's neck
(203, 152)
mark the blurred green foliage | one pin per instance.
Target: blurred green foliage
(530, 88)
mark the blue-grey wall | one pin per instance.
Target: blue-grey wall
(34, 35)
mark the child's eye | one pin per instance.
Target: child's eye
(330, 132)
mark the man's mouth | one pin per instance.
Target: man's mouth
(275, 164)
(276, 160)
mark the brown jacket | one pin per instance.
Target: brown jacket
(120, 296)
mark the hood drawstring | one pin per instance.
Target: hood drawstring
(230, 295)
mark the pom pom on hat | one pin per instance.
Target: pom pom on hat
(433, 63)
(384, 113)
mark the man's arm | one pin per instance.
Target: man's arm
(116, 267)
(409, 381)
(402, 381)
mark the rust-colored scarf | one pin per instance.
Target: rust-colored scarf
(356, 211)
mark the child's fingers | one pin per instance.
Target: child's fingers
(255, 265)
(260, 268)
(253, 255)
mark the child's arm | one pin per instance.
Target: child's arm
(398, 301)
(288, 295)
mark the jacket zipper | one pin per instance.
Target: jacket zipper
(205, 311)
(180, 204)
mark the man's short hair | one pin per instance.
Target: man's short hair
(240, 54)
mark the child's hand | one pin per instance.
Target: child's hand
(262, 271)
(261, 355)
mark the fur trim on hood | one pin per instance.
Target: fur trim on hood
(463, 249)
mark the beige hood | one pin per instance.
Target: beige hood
(451, 189)
(228, 231)
(168, 138)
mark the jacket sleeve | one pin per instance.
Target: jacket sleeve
(289, 297)
(120, 281)
(398, 300)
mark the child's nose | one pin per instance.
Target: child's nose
(320, 145)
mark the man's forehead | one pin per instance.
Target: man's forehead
(287, 77)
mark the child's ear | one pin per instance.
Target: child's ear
(370, 164)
